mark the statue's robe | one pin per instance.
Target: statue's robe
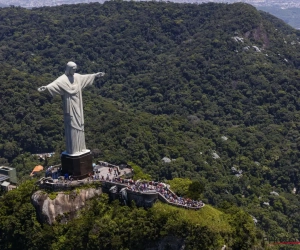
(73, 110)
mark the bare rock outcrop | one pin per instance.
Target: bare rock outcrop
(64, 206)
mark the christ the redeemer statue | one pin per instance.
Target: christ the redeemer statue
(70, 86)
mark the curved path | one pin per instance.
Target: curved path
(112, 176)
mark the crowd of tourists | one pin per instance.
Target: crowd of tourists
(161, 188)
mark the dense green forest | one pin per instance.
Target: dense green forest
(110, 226)
(213, 86)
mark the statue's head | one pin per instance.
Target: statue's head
(71, 68)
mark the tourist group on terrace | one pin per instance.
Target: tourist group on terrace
(113, 176)
(149, 186)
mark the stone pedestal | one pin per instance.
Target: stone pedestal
(79, 166)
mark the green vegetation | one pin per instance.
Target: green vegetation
(177, 85)
(52, 195)
(195, 189)
(102, 225)
(72, 190)
(138, 172)
(180, 186)
(187, 188)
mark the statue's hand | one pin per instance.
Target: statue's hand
(41, 89)
(99, 74)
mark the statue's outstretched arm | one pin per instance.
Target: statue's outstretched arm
(41, 89)
(99, 74)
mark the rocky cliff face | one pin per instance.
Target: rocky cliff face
(64, 206)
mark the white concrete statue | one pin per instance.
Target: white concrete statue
(70, 86)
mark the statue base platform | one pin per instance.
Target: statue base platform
(78, 166)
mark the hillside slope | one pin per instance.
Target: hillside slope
(213, 86)
(105, 225)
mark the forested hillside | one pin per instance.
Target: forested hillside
(213, 86)
(111, 226)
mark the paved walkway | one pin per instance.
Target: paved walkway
(111, 172)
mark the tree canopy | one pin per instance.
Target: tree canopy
(212, 87)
